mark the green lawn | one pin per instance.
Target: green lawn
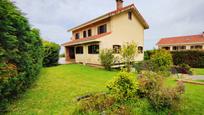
(198, 71)
(57, 88)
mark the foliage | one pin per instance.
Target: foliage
(148, 54)
(51, 53)
(144, 65)
(96, 102)
(128, 53)
(161, 98)
(123, 86)
(62, 55)
(64, 79)
(183, 68)
(148, 82)
(20, 53)
(198, 71)
(193, 58)
(107, 58)
(162, 59)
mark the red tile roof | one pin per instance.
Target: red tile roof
(182, 40)
(112, 13)
(85, 39)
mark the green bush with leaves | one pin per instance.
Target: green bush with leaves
(106, 56)
(51, 53)
(123, 86)
(21, 53)
(128, 53)
(161, 98)
(162, 60)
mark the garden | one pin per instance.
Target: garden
(32, 82)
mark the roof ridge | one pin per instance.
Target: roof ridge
(183, 36)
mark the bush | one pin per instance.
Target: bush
(51, 53)
(149, 81)
(128, 53)
(107, 58)
(123, 86)
(21, 53)
(183, 68)
(148, 54)
(193, 58)
(160, 97)
(144, 65)
(162, 59)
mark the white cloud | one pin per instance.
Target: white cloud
(165, 17)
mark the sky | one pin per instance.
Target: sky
(166, 18)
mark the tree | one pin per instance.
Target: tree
(128, 53)
(106, 56)
(20, 52)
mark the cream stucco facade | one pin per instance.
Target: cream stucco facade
(119, 30)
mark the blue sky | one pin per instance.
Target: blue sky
(166, 17)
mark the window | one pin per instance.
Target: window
(77, 36)
(93, 49)
(140, 49)
(166, 48)
(79, 50)
(179, 47)
(89, 33)
(197, 47)
(130, 15)
(84, 34)
(116, 49)
(102, 29)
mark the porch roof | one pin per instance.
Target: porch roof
(85, 40)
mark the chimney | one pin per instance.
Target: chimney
(119, 4)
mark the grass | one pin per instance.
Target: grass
(56, 90)
(198, 71)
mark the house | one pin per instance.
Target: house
(111, 30)
(192, 42)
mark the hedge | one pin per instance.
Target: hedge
(194, 58)
(51, 53)
(21, 53)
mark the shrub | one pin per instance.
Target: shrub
(149, 81)
(123, 86)
(97, 102)
(144, 65)
(20, 53)
(148, 54)
(107, 58)
(183, 68)
(62, 55)
(128, 53)
(51, 53)
(160, 97)
(162, 59)
(193, 58)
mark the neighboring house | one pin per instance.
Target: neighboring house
(112, 30)
(193, 42)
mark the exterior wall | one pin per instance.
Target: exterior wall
(125, 30)
(188, 46)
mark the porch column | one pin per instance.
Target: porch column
(67, 58)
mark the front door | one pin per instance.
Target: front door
(71, 52)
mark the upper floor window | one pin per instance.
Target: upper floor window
(77, 36)
(84, 34)
(130, 15)
(93, 49)
(140, 49)
(89, 33)
(102, 29)
(116, 49)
